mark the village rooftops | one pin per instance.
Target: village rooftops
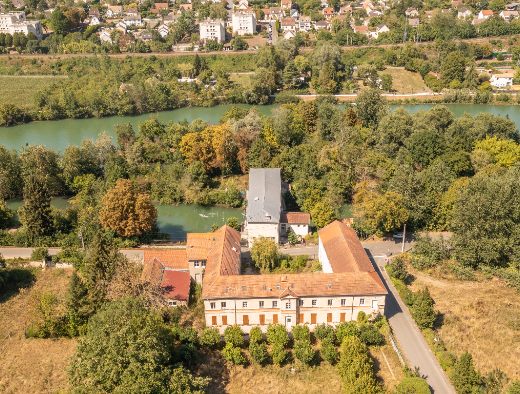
(264, 195)
(198, 245)
(171, 258)
(176, 285)
(295, 217)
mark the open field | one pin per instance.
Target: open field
(406, 81)
(482, 317)
(19, 90)
(32, 365)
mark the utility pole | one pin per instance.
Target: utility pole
(404, 238)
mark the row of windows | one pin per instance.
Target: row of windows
(197, 264)
(301, 319)
(274, 304)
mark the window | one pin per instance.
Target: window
(224, 320)
(196, 264)
(244, 304)
(244, 288)
(223, 305)
(361, 301)
(262, 319)
(287, 305)
(277, 287)
(246, 320)
(300, 302)
(313, 318)
(329, 317)
(343, 302)
(260, 304)
(213, 320)
(329, 302)
(212, 305)
(275, 318)
(204, 263)
(172, 303)
(275, 304)
(314, 302)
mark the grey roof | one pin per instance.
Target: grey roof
(264, 196)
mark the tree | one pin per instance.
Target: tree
(324, 332)
(264, 254)
(128, 348)
(301, 332)
(278, 353)
(386, 82)
(464, 377)
(277, 334)
(292, 237)
(346, 329)
(328, 351)
(233, 354)
(422, 309)
(5, 215)
(126, 211)
(453, 67)
(35, 214)
(240, 44)
(290, 74)
(413, 385)
(234, 335)
(59, 22)
(258, 352)
(233, 223)
(255, 334)
(303, 351)
(371, 107)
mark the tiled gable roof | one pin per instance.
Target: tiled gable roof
(171, 258)
(198, 245)
(176, 285)
(295, 217)
(344, 251)
(152, 272)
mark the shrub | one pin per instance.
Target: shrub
(428, 252)
(398, 269)
(328, 351)
(256, 334)
(210, 337)
(346, 329)
(189, 335)
(514, 388)
(362, 317)
(234, 335)
(370, 336)
(278, 353)
(277, 334)
(324, 331)
(189, 352)
(422, 309)
(233, 354)
(301, 332)
(464, 377)
(258, 351)
(303, 351)
(40, 254)
(413, 385)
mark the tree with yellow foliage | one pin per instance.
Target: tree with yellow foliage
(127, 211)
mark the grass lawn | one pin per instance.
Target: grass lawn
(482, 317)
(19, 90)
(406, 81)
(241, 79)
(32, 365)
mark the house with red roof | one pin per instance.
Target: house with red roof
(485, 14)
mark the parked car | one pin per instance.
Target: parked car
(398, 236)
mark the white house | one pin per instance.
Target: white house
(104, 36)
(286, 4)
(289, 34)
(288, 24)
(485, 14)
(304, 23)
(464, 13)
(212, 30)
(121, 26)
(163, 30)
(15, 22)
(411, 12)
(382, 28)
(502, 80)
(94, 20)
(297, 222)
(134, 20)
(114, 10)
(243, 23)
(509, 15)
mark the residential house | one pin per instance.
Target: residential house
(478, 21)
(288, 24)
(509, 15)
(512, 6)
(161, 6)
(114, 10)
(294, 14)
(503, 79)
(132, 12)
(446, 11)
(322, 25)
(121, 26)
(456, 4)
(275, 13)
(349, 285)
(429, 14)
(264, 204)
(175, 284)
(346, 9)
(485, 14)
(362, 30)
(94, 20)
(147, 37)
(185, 7)
(369, 7)
(212, 30)
(286, 4)
(169, 19)
(94, 12)
(324, 3)
(104, 36)
(304, 23)
(18, 4)
(464, 13)
(243, 23)
(328, 13)
(243, 4)
(135, 20)
(382, 28)
(412, 12)
(15, 22)
(414, 22)
(297, 222)
(163, 30)
(289, 34)
(155, 11)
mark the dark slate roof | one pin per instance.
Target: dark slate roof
(264, 195)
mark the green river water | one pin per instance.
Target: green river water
(181, 219)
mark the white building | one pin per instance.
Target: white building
(94, 20)
(104, 36)
(15, 22)
(464, 13)
(297, 222)
(212, 30)
(509, 15)
(502, 80)
(485, 14)
(288, 24)
(134, 20)
(305, 23)
(163, 30)
(244, 23)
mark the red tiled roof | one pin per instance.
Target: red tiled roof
(152, 271)
(487, 12)
(361, 29)
(198, 245)
(344, 251)
(176, 285)
(171, 258)
(288, 22)
(328, 11)
(161, 5)
(295, 217)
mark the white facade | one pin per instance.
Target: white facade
(323, 259)
(94, 21)
(267, 230)
(244, 23)
(105, 36)
(15, 22)
(163, 30)
(213, 30)
(133, 20)
(501, 80)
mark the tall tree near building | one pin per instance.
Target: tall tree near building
(265, 253)
(59, 22)
(464, 377)
(35, 214)
(127, 211)
(453, 67)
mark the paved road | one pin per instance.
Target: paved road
(412, 342)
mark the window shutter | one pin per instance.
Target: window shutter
(313, 318)
(329, 317)
(262, 319)
(224, 320)
(246, 320)
(275, 318)
(342, 317)
(214, 320)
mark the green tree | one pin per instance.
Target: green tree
(324, 332)
(464, 377)
(413, 385)
(278, 353)
(422, 309)
(397, 269)
(265, 254)
(346, 329)
(277, 334)
(128, 348)
(383, 213)
(453, 67)
(127, 211)
(35, 214)
(371, 107)
(328, 351)
(5, 215)
(77, 298)
(256, 334)
(303, 351)
(233, 223)
(210, 337)
(386, 82)
(301, 332)
(234, 335)
(258, 352)
(322, 214)
(233, 354)
(59, 22)
(290, 74)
